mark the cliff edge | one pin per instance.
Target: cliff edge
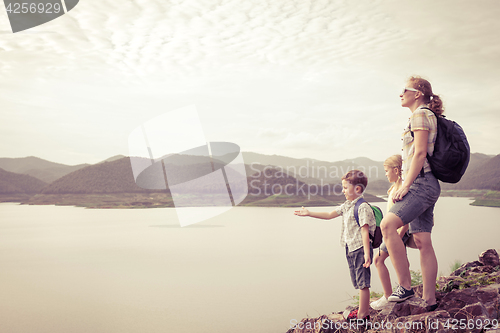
(468, 301)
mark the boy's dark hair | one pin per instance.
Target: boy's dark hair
(356, 178)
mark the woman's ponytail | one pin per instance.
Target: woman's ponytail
(436, 104)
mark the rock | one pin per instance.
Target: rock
(466, 266)
(467, 301)
(425, 322)
(460, 298)
(321, 324)
(471, 311)
(448, 283)
(481, 269)
(412, 306)
(489, 258)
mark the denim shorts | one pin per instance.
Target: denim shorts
(406, 238)
(417, 206)
(360, 276)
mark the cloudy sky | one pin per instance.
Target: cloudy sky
(318, 79)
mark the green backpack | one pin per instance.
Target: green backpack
(376, 238)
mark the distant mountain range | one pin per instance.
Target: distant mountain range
(35, 175)
(15, 183)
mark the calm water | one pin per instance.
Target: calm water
(67, 269)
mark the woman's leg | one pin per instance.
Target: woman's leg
(428, 265)
(389, 225)
(383, 272)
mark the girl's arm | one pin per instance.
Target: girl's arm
(365, 235)
(403, 230)
(420, 143)
(318, 215)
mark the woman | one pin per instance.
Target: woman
(414, 201)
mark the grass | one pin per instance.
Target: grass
(456, 264)
(416, 278)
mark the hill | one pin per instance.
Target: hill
(14, 183)
(483, 173)
(39, 168)
(104, 177)
(314, 171)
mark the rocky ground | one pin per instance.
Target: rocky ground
(469, 301)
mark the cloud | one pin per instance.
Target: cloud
(268, 75)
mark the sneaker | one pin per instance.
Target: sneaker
(353, 316)
(401, 294)
(379, 304)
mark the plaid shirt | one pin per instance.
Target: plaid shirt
(350, 234)
(421, 119)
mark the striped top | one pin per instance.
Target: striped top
(424, 120)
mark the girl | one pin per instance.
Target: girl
(414, 201)
(392, 168)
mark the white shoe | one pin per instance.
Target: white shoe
(379, 304)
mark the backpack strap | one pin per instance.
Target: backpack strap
(422, 173)
(356, 209)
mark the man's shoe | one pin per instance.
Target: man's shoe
(401, 294)
(379, 304)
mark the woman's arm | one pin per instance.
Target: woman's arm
(318, 215)
(420, 144)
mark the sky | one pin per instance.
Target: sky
(306, 79)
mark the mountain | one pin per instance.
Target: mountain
(13, 183)
(105, 177)
(113, 158)
(483, 172)
(42, 169)
(314, 171)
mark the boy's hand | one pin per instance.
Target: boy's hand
(302, 212)
(368, 261)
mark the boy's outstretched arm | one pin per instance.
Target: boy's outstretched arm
(318, 215)
(365, 235)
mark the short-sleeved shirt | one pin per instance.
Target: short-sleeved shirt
(424, 120)
(350, 233)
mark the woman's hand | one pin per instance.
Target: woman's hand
(398, 196)
(302, 212)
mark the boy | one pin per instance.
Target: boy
(356, 239)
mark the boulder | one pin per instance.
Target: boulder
(490, 258)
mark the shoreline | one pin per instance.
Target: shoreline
(483, 198)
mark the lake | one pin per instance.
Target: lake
(251, 269)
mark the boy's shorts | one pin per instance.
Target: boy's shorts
(405, 239)
(360, 276)
(417, 206)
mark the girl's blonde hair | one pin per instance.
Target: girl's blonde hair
(395, 161)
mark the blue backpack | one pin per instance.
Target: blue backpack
(376, 238)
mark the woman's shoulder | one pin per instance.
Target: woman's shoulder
(423, 110)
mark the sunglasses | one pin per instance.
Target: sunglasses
(408, 89)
